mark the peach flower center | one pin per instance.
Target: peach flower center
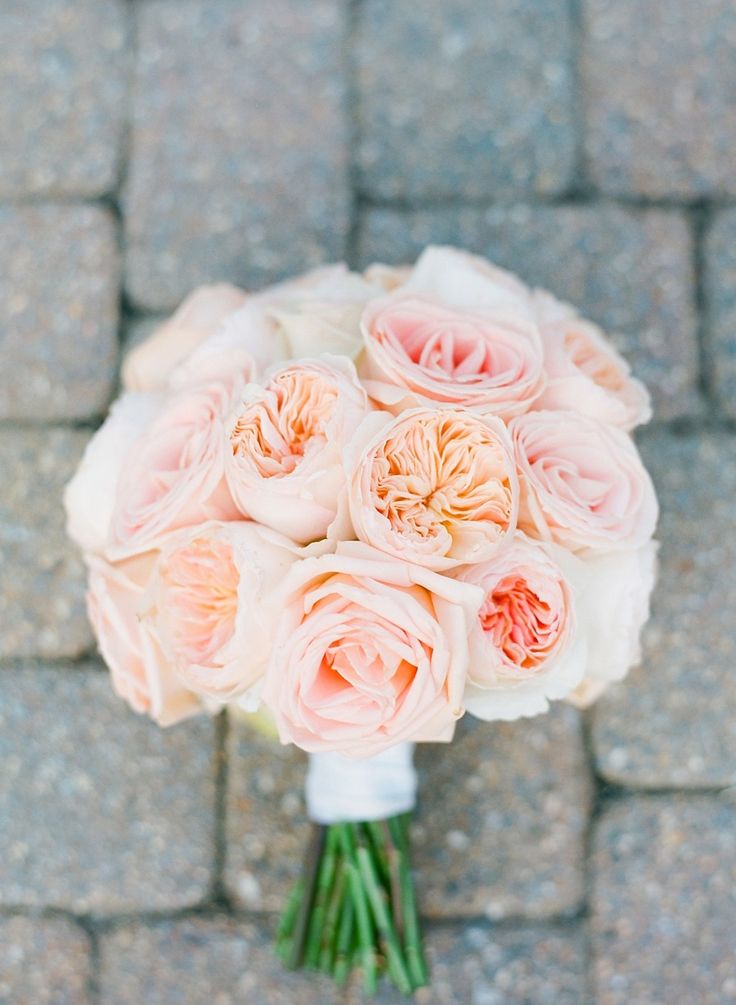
(275, 432)
(520, 623)
(440, 470)
(200, 598)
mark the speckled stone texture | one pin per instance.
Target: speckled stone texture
(58, 312)
(100, 810)
(239, 145)
(202, 962)
(499, 831)
(63, 89)
(502, 818)
(458, 98)
(631, 271)
(673, 722)
(658, 79)
(43, 961)
(42, 577)
(663, 908)
(267, 830)
(720, 284)
(511, 966)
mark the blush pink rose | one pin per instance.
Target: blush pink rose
(612, 594)
(583, 484)
(140, 673)
(369, 652)
(437, 487)
(149, 366)
(210, 605)
(175, 476)
(419, 351)
(286, 439)
(585, 372)
(524, 646)
(91, 495)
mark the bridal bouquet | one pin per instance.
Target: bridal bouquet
(366, 504)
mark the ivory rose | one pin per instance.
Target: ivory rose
(149, 365)
(175, 477)
(583, 484)
(612, 593)
(524, 643)
(420, 350)
(368, 652)
(285, 443)
(585, 372)
(433, 486)
(465, 280)
(140, 673)
(90, 496)
(210, 605)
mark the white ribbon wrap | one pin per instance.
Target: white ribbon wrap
(340, 789)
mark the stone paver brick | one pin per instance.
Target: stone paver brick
(720, 279)
(59, 293)
(659, 80)
(663, 905)
(485, 966)
(42, 577)
(673, 722)
(499, 830)
(631, 271)
(43, 961)
(239, 144)
(461, 98)
(100, 810)
(63, 85)
(203, 962)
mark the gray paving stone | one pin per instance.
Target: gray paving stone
(659, 80)
(202, 962)
(63, 88)
(239, 146)
(482, 966)
(45, 961)
(59, 292)
(663, 904)
(42, 578)
(673, 722)
(100, 810)
(499, 831)
(631, 271)
(720, 279)
(503, 812)
(460, 98)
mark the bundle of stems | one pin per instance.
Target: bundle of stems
(354, 907)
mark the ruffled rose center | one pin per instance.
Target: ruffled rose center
(450, 345)
(276, 432)
(520, 623)
(593, 360)
(200, 599)
(439, 471)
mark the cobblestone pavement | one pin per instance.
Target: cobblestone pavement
(148, 145)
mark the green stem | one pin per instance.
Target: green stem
(345, 935)
(314, 855)
(362, 911)
(324, 886)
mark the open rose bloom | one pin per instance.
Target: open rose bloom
(362, 505)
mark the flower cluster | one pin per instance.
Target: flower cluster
(370, 503)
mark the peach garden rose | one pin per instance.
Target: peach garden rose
(369, 652)
(436, 487)
(523, 645)
(210, 605)
(285, 442)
